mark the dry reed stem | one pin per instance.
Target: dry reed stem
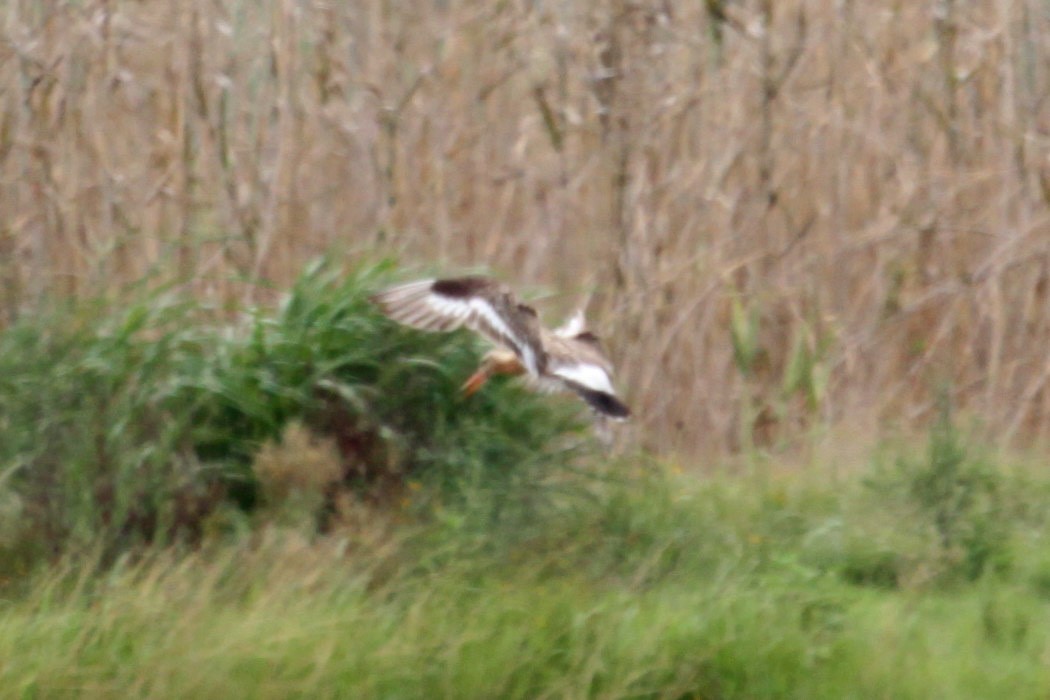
(870, 179)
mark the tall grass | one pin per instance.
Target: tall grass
(868, 181)
(657, 586)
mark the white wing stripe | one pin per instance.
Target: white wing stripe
(586, 375)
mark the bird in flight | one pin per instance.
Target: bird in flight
(567, 358)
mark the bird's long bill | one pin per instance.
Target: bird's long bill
(475, 381)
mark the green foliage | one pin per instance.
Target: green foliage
(959, 499)
(131, 422)
(961, 496)
(89, 440)
(937, 522)
(657, 586)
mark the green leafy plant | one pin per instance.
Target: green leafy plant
(130, 422)
(961, 497)
(953, 501)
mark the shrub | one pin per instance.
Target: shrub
(952, 507)
(960, 496)
(132, 422)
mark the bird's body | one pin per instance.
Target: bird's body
(569, 357)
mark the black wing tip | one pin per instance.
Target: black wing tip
(461, 287)
(605, 403)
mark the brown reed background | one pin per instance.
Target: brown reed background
(784, 215)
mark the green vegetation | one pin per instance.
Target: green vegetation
(298, 503)
(134, 423)
(656, 586)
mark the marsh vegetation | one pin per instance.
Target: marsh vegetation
(813, 235)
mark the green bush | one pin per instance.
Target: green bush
(125, 422)
(960, 497)
(90, 440)
(938, 520)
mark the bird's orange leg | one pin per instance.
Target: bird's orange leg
(475, 381)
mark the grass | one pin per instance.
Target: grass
(657, 586)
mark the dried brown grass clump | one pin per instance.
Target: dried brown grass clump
(305, 481)
(300, 462)
(866, 183)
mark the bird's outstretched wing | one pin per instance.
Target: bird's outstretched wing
(479, 303)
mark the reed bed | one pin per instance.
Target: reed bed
(783, 216)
